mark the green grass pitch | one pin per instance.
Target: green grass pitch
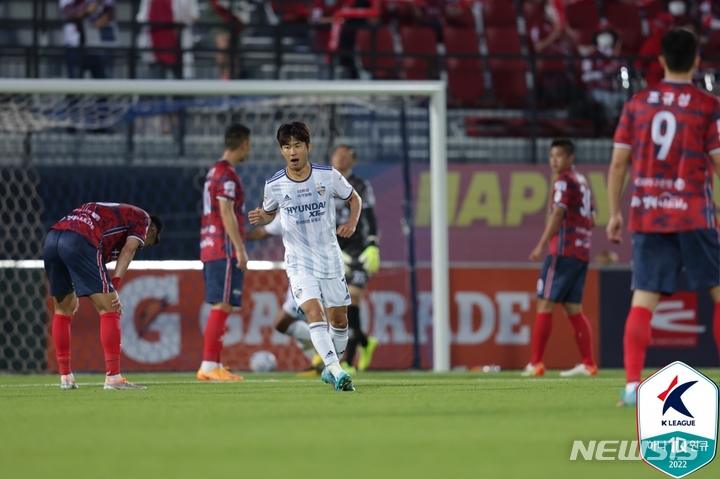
(396, 425)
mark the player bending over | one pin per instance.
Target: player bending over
(222, 248)
(75, 252)
(562, 278)
(671, 132)
(304, 194)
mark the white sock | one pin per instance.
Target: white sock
(114, 377)
(631, 387)
(335, 369)
(322, 342)
(208, 366)
(299, 330)
(307, 349)
(340, 339)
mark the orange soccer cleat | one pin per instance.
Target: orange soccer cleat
(217, 374)
(534, 370)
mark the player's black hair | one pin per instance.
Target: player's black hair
(564, 143)
(349, 148)
(679, 49)
(299, 131)
(235, 135)
(157, 222)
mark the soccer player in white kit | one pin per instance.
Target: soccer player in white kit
(304, 194)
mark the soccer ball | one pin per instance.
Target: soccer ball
(263, 362)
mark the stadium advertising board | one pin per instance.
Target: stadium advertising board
(492, 313)
(496, 213)
(681, 324)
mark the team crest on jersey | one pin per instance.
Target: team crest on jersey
(297, 292)
(320, 188)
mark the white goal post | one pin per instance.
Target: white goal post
(435, 91)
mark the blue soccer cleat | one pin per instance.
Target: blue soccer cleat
(627, 399)
(327, 377)
(344, 382)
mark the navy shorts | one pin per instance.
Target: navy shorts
(562, 279)
(223, 282)
(72, 263)
(658, 259)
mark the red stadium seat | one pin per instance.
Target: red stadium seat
(465, 19)
(466, 83)
(499, 13)
(532, 11)
(625, 19)
(383, 66)
(508, 75)
(583, 18)
(419, 60)
(653, 8)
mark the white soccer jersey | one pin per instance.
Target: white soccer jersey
(274, 228)
(307, 216)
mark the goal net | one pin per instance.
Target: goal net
(150, 143)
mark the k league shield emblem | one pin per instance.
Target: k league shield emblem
(677, 420)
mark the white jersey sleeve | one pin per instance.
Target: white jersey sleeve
(270, 203)
(341, 187)
(274, 228)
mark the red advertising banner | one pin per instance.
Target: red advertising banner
(492, 314)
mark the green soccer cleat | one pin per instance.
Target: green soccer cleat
(344, 382)
(327, 377)
(348, 368)
(366, 354)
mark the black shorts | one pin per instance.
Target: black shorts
(356, 274)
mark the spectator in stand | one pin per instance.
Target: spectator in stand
(710, 15)
(548, 37)
(90, 26)
(321, 17)
(599, 70)
(219, 37)
(438, 13)
(165, 42)
(649, 65)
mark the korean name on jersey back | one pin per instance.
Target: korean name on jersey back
(572, 193)
(671, 129)
(107, 226)
(222, 183)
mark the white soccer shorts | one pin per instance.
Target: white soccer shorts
(332, 293)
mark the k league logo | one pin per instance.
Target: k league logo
(677, 419)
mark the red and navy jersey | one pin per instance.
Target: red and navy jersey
(572, 193)
(671, 129)
(222, 183)
(107, 226)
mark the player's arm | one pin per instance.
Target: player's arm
(230, 223)
(616, 180)
(127, 254)
(346, 230)
(551, 229)
(260, 217)
(716, 162)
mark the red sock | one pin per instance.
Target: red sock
(214, 331)
(110, 337)
(716, 326)
(583, 337)
(636, 341)
(540, 336)
(61, 338)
